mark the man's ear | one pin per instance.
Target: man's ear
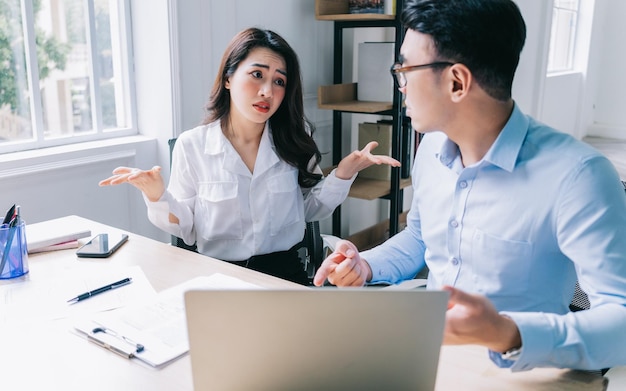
(462, 80)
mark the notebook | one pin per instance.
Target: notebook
(53, 235)
(315, 339)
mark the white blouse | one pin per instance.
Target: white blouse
(231, 213)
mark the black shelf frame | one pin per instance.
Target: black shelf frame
(399, 129)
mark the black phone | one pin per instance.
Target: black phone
(102, 245)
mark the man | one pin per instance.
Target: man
(507, 213)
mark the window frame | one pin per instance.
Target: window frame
(38, 141)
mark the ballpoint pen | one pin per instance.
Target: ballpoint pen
(13, 222)
(105, 288)
(9, 215)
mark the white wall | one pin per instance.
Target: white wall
(589, 101)
(606, 99)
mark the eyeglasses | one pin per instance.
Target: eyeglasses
(398, 71)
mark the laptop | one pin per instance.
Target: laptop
(315, 339)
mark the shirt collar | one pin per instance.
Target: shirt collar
(504, 151)
(216, 143)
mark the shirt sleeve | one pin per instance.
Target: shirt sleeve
(158, 214)
(178, 199)
(591, 228)
(321, 200)
(402, 256)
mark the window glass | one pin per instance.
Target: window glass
(563, 35)
(109, 54)
(75, 51)
(65, 81)
(15, 118)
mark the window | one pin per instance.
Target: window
(563, 35)
(75, 53)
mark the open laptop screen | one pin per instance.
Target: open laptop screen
(315, 339)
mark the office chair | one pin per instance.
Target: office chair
(310, 249)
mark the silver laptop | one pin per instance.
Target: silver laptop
(315, 339)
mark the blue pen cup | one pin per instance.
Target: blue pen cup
(13, 251)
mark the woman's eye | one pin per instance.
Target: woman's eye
(256, 74)
(280, 82)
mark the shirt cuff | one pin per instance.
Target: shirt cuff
(500, 361)
(333, 175)
(379, 272)
(336, 189)
(538, 339)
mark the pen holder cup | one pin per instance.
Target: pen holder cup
(13, 251)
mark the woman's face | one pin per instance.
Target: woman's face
(257, 87)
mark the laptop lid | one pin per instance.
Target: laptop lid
(315, 339)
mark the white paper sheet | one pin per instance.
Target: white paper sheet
(159, 325)
(47, 300)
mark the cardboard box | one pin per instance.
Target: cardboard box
(380, 132)
(375, 84)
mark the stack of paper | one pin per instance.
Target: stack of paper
(50, 235)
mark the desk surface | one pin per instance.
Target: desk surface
(48, 356)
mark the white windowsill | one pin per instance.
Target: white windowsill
(45, 159)
(71, 148)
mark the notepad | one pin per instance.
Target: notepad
(49, 235)
(154, 332)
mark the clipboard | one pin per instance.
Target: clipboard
(153, 332)
(154, 354)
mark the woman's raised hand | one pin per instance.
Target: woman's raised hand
(150, 182)
(358, 160)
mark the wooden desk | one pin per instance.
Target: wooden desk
(49, 357)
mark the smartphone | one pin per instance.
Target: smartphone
(102, 245)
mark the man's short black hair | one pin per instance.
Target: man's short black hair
(485, 35)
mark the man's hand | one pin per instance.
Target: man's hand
(344, 267)
(358, 160)
(149, 182)
(472, 319)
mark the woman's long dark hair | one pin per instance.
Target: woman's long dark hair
(289, 125)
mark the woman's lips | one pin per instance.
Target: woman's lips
(262, 107)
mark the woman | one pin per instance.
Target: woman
(245, 182)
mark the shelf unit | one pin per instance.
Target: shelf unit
(342, 98)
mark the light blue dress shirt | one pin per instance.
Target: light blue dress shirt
(538, 212)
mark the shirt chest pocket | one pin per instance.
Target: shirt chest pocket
(503, 265)
(284, 206)
(220, 213)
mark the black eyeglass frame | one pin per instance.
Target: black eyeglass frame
(398, 71)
